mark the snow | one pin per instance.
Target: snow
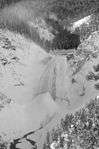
(33, 80)
(19, 81)
(24, 145)
(86, 20)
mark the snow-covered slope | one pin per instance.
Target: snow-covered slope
(22, 110)
(37, 88)
(75, 86)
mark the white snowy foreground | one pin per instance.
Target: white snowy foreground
(37, 88)
(20, 73)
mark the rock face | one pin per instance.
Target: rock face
(66, 40)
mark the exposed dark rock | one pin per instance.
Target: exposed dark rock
(96, 68)
(14, 143)
(96, 77)
(66, 40)
(33, 143)
(97, 86)
(70, 56)
(18, 140)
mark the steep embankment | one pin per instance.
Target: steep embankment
(20, 72)
(37, 88)
(77, 80)
(29, 76)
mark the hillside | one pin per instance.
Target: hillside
(49, 65)
(81, 84)
(79, 130)
(76, 71)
